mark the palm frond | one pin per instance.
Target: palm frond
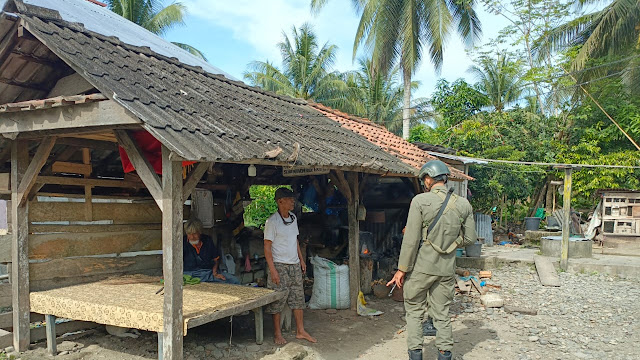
(192, 50)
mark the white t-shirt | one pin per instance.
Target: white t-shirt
(284, 239)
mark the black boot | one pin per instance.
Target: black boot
(427, 328)
(415, 354)
(444, 356)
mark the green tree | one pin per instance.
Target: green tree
(456, 102)
(529, 20)
(375, 95)
(153, 16)
(499, 80)
(306, 70)
(262, 205)
(397, 31)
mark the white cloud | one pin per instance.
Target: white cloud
(260, 24)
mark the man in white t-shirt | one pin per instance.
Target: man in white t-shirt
(286, 264)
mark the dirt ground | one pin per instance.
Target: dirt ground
(591, 316)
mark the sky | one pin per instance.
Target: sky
(234, 33)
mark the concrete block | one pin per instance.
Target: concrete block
(577, 249)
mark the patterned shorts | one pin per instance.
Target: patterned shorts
(291, 283)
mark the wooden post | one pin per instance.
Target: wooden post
(173, 326)
(52, 346)
(19, 248)
(566, 224)
(88, 205)
(160, 347)
(354, 239)
(259, 317)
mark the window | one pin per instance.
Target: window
(607, 210)
(608, 226)
(608, 199)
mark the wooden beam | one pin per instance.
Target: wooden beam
(39, 87)
(35, 59)
(71, 168)
(172, 201)
(20, 248)
(73, 181)
(340, 184)
(66, 244)
(5, 294)
(194, 176)
(354, 240)
(88, 143)
(106, 113)
(142, 165)
(30, 175)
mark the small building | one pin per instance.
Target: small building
(448, 156)
(620, 211)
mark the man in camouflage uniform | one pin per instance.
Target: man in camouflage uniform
(428, 260)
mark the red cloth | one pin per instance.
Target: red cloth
(151, 149)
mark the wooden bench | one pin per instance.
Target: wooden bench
(138, 305)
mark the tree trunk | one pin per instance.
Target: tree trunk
(406, 109)
(540, 194)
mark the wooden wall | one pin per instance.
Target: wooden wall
(65, 249)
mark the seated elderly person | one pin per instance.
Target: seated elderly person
(201, 256)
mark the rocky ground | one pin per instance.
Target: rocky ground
(591, 316)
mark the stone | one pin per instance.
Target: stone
(533, 338)
(253, 348)
(66, 346)
(543, 341)
(293, 351)
(222, 345)
(210, 346)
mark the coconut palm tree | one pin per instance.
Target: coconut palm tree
(153, 16)
(306, 70)
(375, 96)
(398, 31)
(613, 31)
(499, 80)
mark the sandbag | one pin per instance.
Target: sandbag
(330, 285)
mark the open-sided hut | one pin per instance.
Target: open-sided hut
(80, 87)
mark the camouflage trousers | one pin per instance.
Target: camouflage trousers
(291, 283)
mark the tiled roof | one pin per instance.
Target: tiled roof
(388, 141)
(204, 116)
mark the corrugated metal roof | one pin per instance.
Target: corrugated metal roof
(105, 22)
(463, 159)
(385, 139)
(203, 116)
(483, 227)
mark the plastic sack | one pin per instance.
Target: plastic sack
(230, 264)
(330, 285)
(362, 308)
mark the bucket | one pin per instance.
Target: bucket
(553, 223)
(458, 252)
(532, 223)
(473, 250)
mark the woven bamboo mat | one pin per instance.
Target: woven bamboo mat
(131, 301)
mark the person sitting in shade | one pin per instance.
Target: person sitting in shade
(201, 256)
